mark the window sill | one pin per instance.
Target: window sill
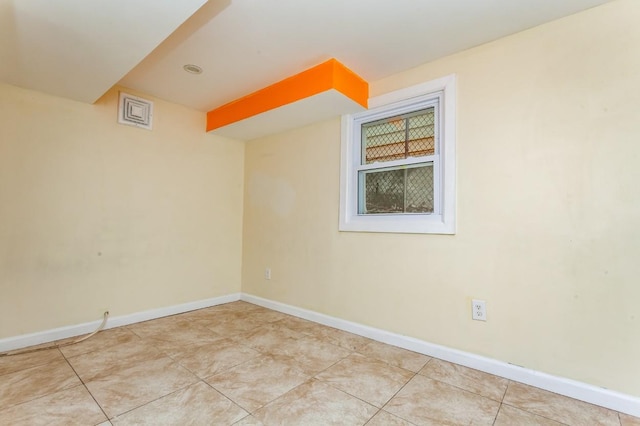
(407, 224)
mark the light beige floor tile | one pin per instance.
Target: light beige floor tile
(386, 419)
(232, 307)
(13, 363)
(263, 315)
(209, 316)
(238, 306)
(366, 378)
(73, 406)
(510, 416)
(200, 314)
(257, 381)
(200, 318)
(127, 372)
(197, 404)
(206, 312)
(26, 385)
(158, 326)
(103, 363)
(221, 315)
(311, 354)
(340, 338)
(173, 339)
(395, 356)
(103, 339)
(427, 401)
(205, 360)
(626, 420)
(138, 384)
(232, 324)
(229, 322)
(469, 379)
(268, 338)
(315, 403)
(297, 324)
(249, 421)
(558, 407)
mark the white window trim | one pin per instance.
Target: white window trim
(441, 222)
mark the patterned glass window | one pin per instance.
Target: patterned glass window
(408, 135)
(406, 187)
(397, 190)
(398, 162)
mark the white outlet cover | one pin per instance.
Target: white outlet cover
(479, 310)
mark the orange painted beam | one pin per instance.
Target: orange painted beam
(326, 76)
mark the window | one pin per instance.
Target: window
(398, 162)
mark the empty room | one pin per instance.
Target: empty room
(285, 212)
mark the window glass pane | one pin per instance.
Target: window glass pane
(398, 190)
(399, 137)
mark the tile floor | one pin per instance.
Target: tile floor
(241, 364)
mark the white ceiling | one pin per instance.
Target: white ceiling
(80, 48)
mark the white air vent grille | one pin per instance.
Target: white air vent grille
(135, 111)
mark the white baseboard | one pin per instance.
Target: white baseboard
(572, 388)
(582, 391)
(52, 335)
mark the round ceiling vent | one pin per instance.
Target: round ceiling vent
(193, 69)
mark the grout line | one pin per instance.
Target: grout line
(280, 396)
(8, 407)
(315, 376)
(375, 414)
(459, 387)
(495, 418)
(141, 340)
(39, 364)
(355, 396)
(344, 392)
(85, 385)
(506, 388)
(377, 358)
(227, 397)
(396, 394)
(154, 400)
(534, 414)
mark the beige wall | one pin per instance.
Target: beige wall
(95, 215)
(548, 210)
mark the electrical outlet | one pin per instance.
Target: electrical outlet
(267, 273)
(478, 310)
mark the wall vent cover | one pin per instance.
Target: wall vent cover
(135, 111)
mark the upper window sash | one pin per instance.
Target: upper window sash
(402, 108)
(399, 137)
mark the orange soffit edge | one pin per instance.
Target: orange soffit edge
(326, 76)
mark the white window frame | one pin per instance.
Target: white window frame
(443, 219)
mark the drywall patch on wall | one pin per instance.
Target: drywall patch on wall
(272, 193)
